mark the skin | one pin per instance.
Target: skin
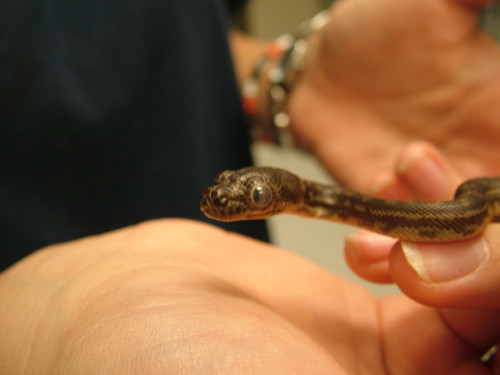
(434, 76)
(469, 303)
(384, 87)
(180, 297)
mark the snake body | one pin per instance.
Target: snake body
(261, 192)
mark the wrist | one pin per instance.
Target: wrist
(266, 91)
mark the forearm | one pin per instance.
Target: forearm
(268, 73)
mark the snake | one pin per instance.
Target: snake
(255, 193)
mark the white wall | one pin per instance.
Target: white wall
(269, 18)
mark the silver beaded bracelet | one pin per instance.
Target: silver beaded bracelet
(287, 54)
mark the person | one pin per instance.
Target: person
(183, 297)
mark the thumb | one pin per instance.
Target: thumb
(455, 274)
(425, 173)
(462, 279)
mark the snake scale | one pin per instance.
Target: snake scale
(261, 192)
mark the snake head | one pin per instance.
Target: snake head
(249, 194)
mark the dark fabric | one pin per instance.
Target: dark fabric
(112, 112)
(235, 5)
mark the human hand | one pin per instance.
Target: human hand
(179, 297)
(461, 279)
(384, 73)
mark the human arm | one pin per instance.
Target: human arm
(182, 297)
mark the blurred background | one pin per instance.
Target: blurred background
(320, 241)
(269, 18)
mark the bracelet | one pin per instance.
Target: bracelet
(278, 69)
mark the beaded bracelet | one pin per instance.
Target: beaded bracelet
(279, 68)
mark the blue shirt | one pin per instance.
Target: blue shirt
(111, 113)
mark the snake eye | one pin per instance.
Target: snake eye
(261, 196)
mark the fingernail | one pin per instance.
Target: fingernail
(421, 170)
(435, 263)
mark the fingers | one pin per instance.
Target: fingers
(461, 278)
(456, 274)
(425, 174)
(367, 254)
(420, 173)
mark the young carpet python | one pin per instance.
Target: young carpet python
(261, 192)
